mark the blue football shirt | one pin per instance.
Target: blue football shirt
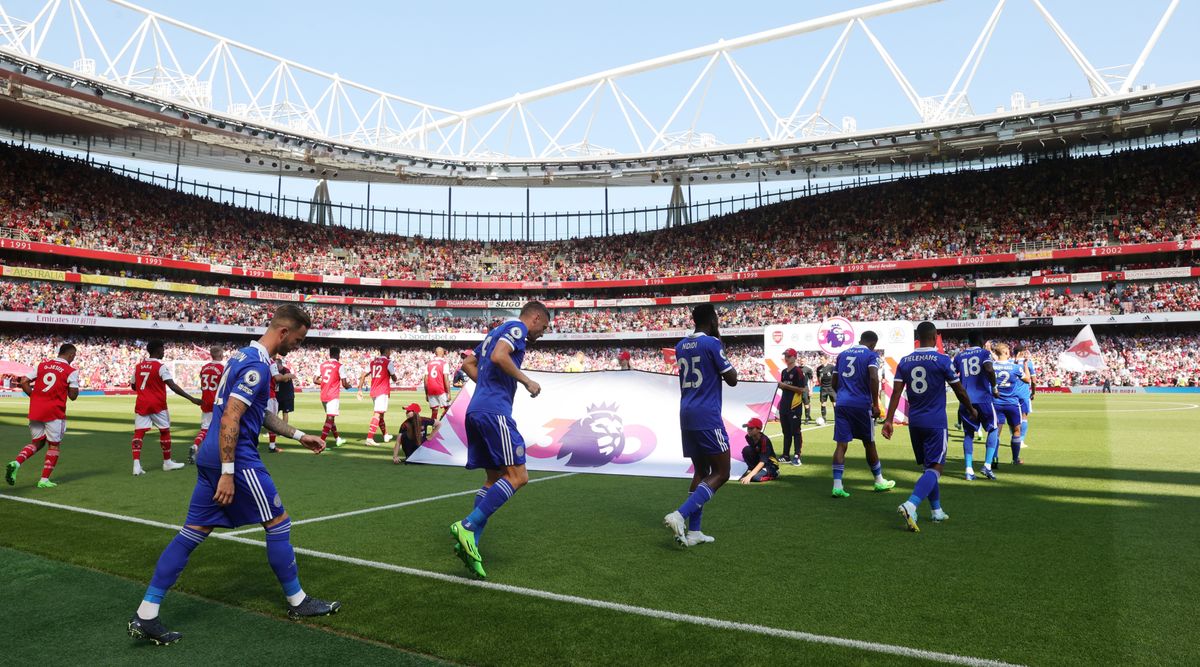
(494, 389)
(970, 365)
(1023, 390)
(853, 364)
(926, 373)
(1008, 376)
(247, 378)
(701, 361)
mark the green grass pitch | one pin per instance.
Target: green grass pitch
(1084, 556)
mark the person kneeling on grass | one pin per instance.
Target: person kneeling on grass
(761, 463)
(413, 432)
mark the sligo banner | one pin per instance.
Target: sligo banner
(608, 422)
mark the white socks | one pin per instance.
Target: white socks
(147, 610)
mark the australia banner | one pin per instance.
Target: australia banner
(608, 422)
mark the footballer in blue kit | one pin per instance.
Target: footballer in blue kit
(232, 486)
(856, 382)
(702, 369)
(1025, 389)
(975, 368)
(493, 441)
(1009, 374)
(923, 377)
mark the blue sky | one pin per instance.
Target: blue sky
(461, 55)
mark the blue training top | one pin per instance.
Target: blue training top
(854, 380)
(247, 378)
(701, 361)
(494, 388)
(1008, 375)
(926, 373)
(970, 364)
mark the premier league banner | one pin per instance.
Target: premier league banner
(820, 343)
(608, 422)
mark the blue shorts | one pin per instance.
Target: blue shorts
(1026, 405)
(254, 499)
(493, 441)
(708, 442)
(987, 418)
(929, 444)
(853, 423)
(1009, 413)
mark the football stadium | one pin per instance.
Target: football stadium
(826, 333)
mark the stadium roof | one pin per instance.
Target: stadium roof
(131, 101)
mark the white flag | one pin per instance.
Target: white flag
(1083, 355)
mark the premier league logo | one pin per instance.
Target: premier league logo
(598, 439)
(834, 335)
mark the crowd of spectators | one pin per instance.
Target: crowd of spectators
(107, 362)
(1151, 360)
(70, 299)
(1134, 196)
(800, 282)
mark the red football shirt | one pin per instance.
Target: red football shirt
(435, 377)
(382, 370)
(331, 380)
(210, 379)
(50, 382)
(150, 382)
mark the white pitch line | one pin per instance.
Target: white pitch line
(873, 647)
(393, 506)
(806, 430)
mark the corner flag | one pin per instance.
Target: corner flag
(1083, 355)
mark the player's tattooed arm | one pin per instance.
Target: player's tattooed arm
(231, 423)
(279, 427)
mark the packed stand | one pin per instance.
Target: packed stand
(65, 299)
(1130, 197)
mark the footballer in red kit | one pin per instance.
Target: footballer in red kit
(382, 372)
(437, 383)
(151, 379)
(210, 379)
(48, 387)
(332, 383)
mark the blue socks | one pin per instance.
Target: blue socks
(926, 485)
(282, 557)
(696, 500)
(694, 519)
(935, 497)
(479, 496)
(171, 563)
(1016, 448)
(497, 495)
(839, 469)
(969, 448)
(993, 444)
(877, 469)
(1024, 428)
